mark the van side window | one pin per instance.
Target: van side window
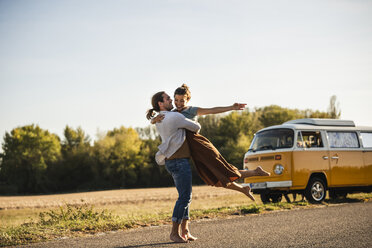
(309, 139)
(367, 139)
(343, 140)
(300, 142)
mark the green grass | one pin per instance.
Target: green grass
(70, 221)
(67, 221)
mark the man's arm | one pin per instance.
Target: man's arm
(182, 122)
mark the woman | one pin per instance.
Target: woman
(211, 166)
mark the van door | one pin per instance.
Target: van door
(310, 155)
(367, 156)
(346, 157)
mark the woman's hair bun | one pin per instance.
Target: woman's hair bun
(183, 90)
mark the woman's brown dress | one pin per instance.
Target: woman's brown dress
(211, 166)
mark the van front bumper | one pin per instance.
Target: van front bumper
(268, 185)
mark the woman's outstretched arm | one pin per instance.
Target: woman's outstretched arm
(217, 110)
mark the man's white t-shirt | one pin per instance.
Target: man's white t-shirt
(172, 132)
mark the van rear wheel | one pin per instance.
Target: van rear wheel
(315, 191)
(270, 197)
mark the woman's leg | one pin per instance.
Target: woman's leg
(210, 164)
(245, 190)
(252, 173)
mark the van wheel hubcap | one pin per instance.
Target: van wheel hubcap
(317, 191)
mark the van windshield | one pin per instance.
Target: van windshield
(272, 139)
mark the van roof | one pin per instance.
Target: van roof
(320, 124)
(323, 122)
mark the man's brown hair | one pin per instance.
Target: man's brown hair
(158, 97)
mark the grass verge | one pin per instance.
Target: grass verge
(72, 221)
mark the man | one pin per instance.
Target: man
(174, 153)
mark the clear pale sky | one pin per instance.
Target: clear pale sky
(96, 64)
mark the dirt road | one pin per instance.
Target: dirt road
(340, 225)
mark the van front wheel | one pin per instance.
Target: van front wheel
(265, 198)
(316, 190)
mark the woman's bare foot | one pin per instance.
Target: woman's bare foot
(247, 192)
(177, 238)
(260, 172)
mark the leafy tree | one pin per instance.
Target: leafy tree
(77, 167)
(150, 173)
(276, 115)
(314, 114)
(148, 133)
(28, 151)
(210, 125)
(334, 108)
(74, 140)
(118, 155)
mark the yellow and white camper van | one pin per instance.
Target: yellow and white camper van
(311, 156)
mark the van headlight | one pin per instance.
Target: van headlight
(278, 169)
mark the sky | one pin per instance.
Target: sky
(95, 64)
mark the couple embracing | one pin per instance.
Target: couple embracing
(178, 130)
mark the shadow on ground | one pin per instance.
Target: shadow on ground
(344, 200)
(148, 245)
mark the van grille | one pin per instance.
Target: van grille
(265, 158)
(253, 159)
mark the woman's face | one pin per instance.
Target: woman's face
(180, 101)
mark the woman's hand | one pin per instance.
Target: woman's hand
(239, 106)
(157, 119)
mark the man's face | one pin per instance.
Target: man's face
(167, 103)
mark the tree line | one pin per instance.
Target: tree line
(37, 161)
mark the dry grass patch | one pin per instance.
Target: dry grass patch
(108, 197)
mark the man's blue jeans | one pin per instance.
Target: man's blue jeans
(180, 170)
